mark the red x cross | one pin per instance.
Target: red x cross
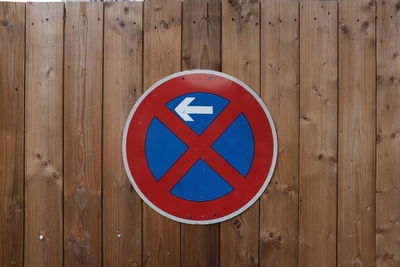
(200, 147)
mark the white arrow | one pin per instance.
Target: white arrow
(183, 109)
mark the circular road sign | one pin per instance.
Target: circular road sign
(199, 147)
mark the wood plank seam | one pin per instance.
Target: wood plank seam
(102, 140)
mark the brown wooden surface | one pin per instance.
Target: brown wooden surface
(241, 58)
(318, 134)
(388, 133)
(201, 34)
(201, 49)
(122, 208)
(83, 60)
(43, 135)
(357, 120)
(70, 97)
(12, 66)
(280, 92)
(162, 56)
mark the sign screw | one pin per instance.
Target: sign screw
(119, 235)
(41, 237)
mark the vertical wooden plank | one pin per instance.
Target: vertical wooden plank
(83, 59)
(43, 136)
(280, 92)
(162, 56)
(201, 49)
(12, 54)
(241, 58)
(357, 101)
(201, 34)
(318, 133)
(122, 208)
(388, 144)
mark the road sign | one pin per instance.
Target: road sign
(199, 147)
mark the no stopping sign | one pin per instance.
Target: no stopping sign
(199, 147)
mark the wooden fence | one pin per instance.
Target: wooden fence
(328, 71)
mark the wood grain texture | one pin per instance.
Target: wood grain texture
(122, 208)
(241, 58)
(43, 136)
(201, 49)
(200, 245)
(66, 91)
(318, 134)
(162, 56)
(201, 34)
(12, 66)
(357, 118)
(83, 60)
(388, 135)
(280, 92)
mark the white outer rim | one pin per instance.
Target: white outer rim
(256, 196)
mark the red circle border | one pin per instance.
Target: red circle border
(135, 136)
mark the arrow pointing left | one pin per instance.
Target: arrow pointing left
(183, 109)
